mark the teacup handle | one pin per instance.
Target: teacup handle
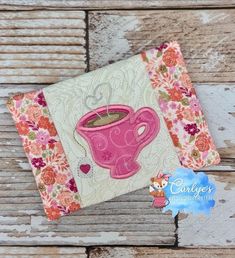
(145, 117)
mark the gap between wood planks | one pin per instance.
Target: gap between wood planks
(115, 252)
(114, 5)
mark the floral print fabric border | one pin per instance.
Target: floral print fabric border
(45, 153)
(180, 106)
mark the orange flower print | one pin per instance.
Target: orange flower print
(34, 113)
(143, 54)
(59, 148)
(202, 142)
(175, 94)
(52, 131)
(188, 115)
(44, 122)
(52, 213)
(74, 206)
(65, 198)
(170, 57)
(34, 148)
(180, 60)
(180, 116)
(175, 139)
(45, 153)
(31, 96)
(22, 128)
(18, 97)
(185, 79)
(60, 178)
(169, 123)
(48, 176)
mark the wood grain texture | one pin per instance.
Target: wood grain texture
(206, 37)
(114, 4)
(218, 229)
(41, 46)
(126, 220)
(42, 252)
(153, 252)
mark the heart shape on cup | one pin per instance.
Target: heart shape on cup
(85, 168)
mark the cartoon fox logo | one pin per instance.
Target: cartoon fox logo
(158, 183)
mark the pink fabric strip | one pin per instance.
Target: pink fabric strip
(180, 106)
(45, 153)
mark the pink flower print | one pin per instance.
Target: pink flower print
(191, 129)
(42, 137)
(161, 47)
(72, 185)
(186, 91)
(38, 163)
(163, 105)
(54, 203)
(172, 69)
(176, 85)
(173, 105)
(194, 104)
(49, 188)
(18, 103)
(22, 118)
(41, 100)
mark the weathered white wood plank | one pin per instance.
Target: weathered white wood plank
(218, 104)
(218, 229)
(42, 46)
(125, 220)
(206, 37)
(43, 252)
(115, 4)
(67, 64)
(42, 40)
(154, 252)
(42, 49)
(42, 33)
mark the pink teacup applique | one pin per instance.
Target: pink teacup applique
(114, 139)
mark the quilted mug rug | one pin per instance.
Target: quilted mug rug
(107, 132)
